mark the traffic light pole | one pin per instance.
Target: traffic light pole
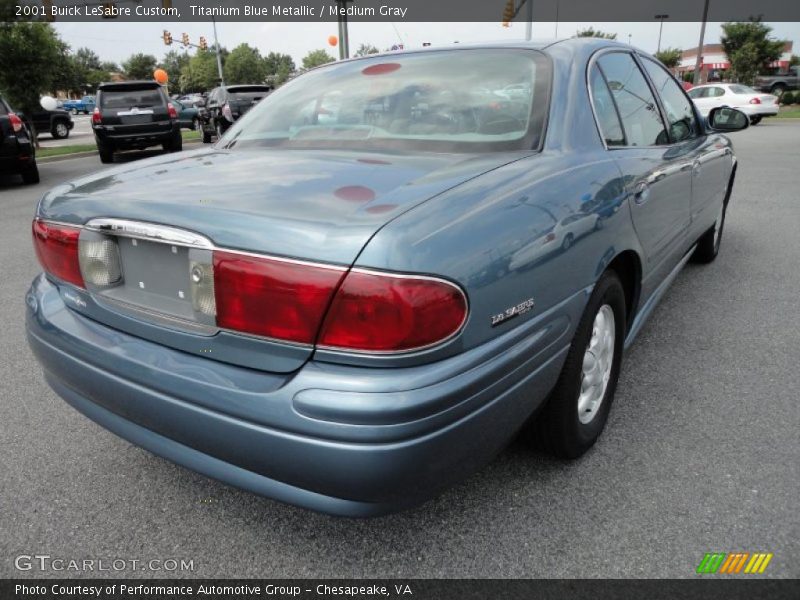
(219, 59)
(344, 38)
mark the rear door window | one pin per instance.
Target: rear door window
(680, 115)
(122, 99)
(607, 116)
(641, 118)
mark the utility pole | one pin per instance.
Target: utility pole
(698, 64)
(529, 20)
(219, 59)
(344, 37)
(660, 29)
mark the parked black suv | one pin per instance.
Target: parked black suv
(17, 151)
(134, 114)
(225, 104)
(56, 122)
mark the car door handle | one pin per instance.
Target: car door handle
(641, 193)
(696, 168)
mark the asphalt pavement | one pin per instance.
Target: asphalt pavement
(701, 452)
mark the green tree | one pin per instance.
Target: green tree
(174, 63)
(200, 73)
(139, 66)
(315, 58)
(794, 60)
(278, 67)
(87, 59)
(671, 57)
(365, 49)
(28, 54)
(749, 48)
(244, 65)
(592, 32)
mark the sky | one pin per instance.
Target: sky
(116, 41)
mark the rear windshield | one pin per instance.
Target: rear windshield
(129, 98)
(451, 101)
(742, 89)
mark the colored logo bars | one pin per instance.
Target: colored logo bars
(737, 562)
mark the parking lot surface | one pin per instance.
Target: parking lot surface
(701, 452)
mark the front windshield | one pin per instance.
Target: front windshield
(454, 100)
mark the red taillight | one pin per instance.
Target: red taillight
(173, 114)
(388, 313)
(97, 118)
(16, 122)
(755, 101)
(57, 249)
(226, 112)
(274, 298)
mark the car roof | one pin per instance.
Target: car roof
(140, 84)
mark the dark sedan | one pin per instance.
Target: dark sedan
(385, 270)
(17, 147)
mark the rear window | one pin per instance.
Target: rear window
(742, 89)
(450, 101)
(250, 93)
(129, 98)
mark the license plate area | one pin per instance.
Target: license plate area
(164, 282)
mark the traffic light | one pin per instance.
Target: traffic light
(203, 43)
(508, 13)
(185, 39)
(167, 38)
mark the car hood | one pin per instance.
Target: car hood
(322, 205)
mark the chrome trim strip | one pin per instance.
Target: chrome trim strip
(149, 231)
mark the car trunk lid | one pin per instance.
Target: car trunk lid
(317, 206)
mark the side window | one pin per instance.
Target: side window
(641, 119)
(696, 93)
(716, 92)
(607, 117)
(680, 113)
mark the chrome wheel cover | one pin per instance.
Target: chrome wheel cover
(597, 362)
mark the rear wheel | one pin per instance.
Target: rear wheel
(174, 145)
(59, 130)
(755, 120)
(577, 409)
(207, 137)
(106, 152)
(778, 89)
(30, 174)
(708, 245)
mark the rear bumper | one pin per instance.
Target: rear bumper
(760, 110)
(122, 139)
(15, 155)
(348, 441)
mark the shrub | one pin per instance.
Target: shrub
(788, 98)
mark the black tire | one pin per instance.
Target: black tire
(567, 243)
(30, 174)
(74, 111)
(106, 153)
(755, 120)
(558, 429)
(709, 243)
(176, 144)
(60, 130)
(777, 89)
(207, 137)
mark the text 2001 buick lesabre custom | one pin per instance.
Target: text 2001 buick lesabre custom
(384, 270)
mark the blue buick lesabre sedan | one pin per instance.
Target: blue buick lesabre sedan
(385, 270)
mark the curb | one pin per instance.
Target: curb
(60, 157)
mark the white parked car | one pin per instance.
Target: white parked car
(756, 105)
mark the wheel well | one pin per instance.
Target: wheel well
(629, 270)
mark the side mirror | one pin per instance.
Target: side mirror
(726, 119)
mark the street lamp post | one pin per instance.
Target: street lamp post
(698, 64)
(660, 28)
